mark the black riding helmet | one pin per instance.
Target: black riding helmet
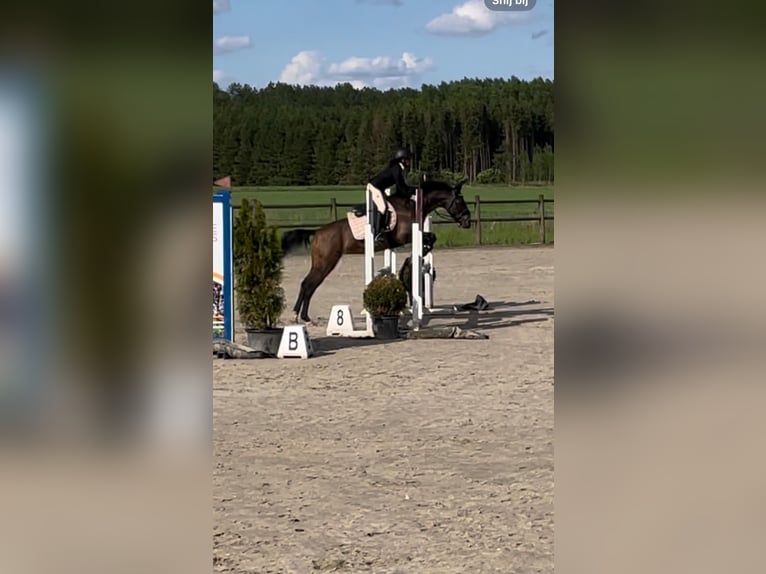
(403, 154)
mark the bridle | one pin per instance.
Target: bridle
(449, 217)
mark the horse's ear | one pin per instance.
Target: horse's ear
(459, 186)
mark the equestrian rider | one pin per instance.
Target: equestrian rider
(392, 176)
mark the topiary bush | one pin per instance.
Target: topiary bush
(257, 268)
(385, 296)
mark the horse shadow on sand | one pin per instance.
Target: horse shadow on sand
(328, 345)
(498, 315)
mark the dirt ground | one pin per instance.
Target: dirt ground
(396, 457)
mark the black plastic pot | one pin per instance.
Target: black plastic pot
(265, 341)
(385, 327)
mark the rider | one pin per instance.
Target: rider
(392, 176)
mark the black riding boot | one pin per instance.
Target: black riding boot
(375, 218)
(378, 225)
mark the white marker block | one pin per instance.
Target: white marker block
(295, 342)
(341, 321)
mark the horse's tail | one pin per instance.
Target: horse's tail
(295, 237)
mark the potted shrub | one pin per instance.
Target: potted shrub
(385, 298)
(258, 268)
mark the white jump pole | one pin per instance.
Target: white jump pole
(369, 256)
(417, 261)
(369, 243)
(428, 272)
(389, 260)
(389, 255)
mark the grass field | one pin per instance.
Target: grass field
(449, 235)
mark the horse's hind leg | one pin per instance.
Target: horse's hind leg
(310, 284)
(299, 300)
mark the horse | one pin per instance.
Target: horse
(331, 241)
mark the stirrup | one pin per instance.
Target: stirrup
(381, 233)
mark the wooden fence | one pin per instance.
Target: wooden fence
(477, 220)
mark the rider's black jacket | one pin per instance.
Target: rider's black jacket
(393, 176)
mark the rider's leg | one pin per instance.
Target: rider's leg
(385, 219)
(378, 226)
(379, 219)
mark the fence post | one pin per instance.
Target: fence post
(333, 209)
(541, 208)
(478, 220)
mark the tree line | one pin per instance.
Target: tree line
(486, 131)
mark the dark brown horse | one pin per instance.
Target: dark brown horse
(335, 239)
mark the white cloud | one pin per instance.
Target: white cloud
(304, 68)
(221, 6)
(380, 67)
(381, 72)
(473, 18)
(226, 44)
(222, 78)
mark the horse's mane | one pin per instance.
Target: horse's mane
(432, 185)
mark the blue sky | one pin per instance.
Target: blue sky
(378, 43)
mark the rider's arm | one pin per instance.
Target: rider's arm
(402, 187)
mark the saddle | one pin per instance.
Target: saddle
(357, 217)
(361, 210)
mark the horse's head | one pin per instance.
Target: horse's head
(458, 209)
(451, 199)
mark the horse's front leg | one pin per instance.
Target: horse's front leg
(405, 276)
(429, 239)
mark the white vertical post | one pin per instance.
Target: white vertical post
(428, 272)
(369, 256)
(417, 262)
(389, 256)
(417, 258)
(389, 260)
(369, 243)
